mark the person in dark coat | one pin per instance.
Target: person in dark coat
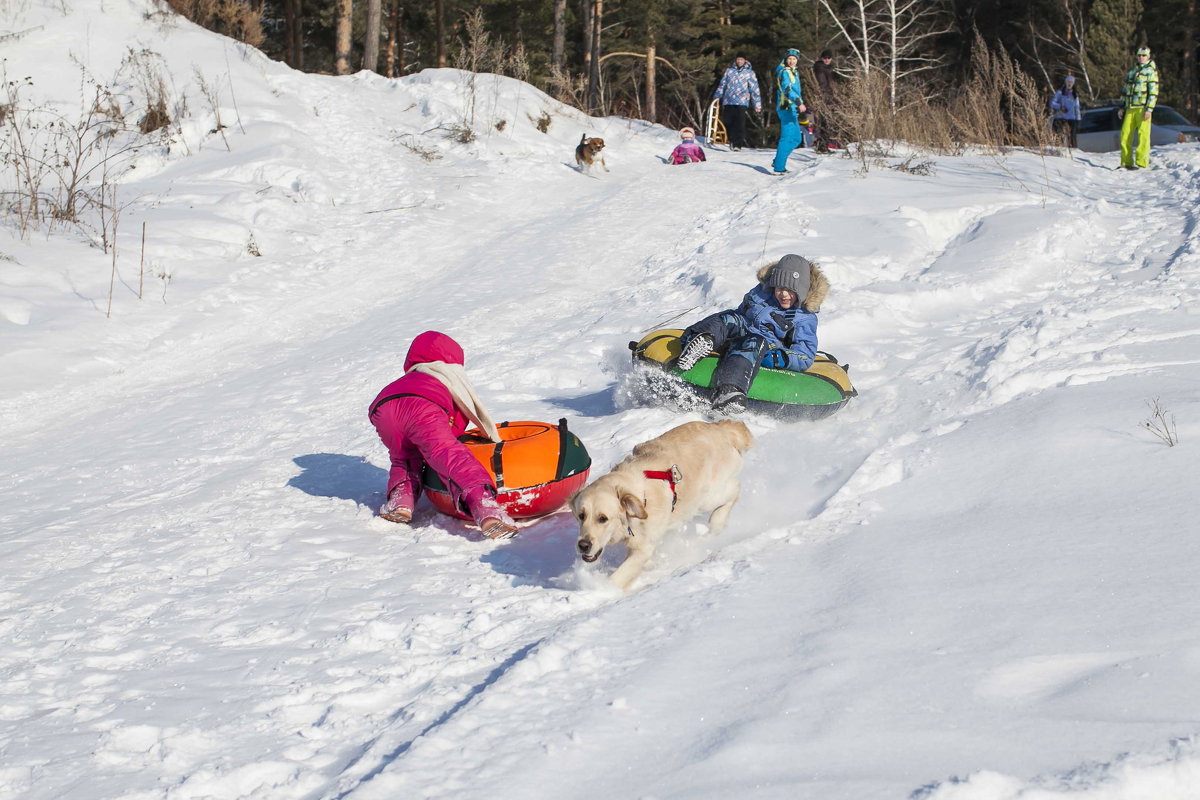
(775, 326)
(826, 100)
(419, 418)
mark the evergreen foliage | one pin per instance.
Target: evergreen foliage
(694, 40)
(1112, 37)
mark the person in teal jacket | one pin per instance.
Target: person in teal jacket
(789, 104)
(1138, 98)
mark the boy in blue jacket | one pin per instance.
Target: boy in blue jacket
(775, 326)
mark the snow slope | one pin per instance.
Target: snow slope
(975, 582)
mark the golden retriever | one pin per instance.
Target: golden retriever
(663, 484)
(587, 153)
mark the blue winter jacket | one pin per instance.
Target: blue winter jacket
(787, 83)
(792, 331)
(1065, 105)
(739, 87)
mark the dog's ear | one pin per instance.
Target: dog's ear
(632, 506)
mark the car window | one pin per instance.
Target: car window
(1164, 115)
(1100, 119)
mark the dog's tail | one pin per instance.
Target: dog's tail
(737, 433)
(583, 138)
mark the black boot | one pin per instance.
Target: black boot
(729, 399)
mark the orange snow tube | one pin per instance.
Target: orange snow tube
(536, 467)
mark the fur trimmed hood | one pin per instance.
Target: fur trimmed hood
(818, 287)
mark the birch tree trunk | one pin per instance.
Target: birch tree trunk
(345, 11)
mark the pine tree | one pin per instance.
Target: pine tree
(1112, 36)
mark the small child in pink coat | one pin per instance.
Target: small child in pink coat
(687, 151)
(419, 417)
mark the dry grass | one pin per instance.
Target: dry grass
(999, 107)
(542, 122)
(566, 88)
(234, 18)
(149, 72)
(1161, 423)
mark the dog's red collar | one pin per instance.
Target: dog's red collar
(672, 476)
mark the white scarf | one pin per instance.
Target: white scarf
(454, 377)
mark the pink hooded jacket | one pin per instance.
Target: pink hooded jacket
(687, 151)
(419, 424)
(428, 346)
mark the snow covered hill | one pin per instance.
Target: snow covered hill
(975, 582)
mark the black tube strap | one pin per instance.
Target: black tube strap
(388, 399)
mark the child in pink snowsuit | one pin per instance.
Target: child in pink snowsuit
(419, 418)
(687, 150)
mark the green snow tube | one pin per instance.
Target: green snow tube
(817, 392)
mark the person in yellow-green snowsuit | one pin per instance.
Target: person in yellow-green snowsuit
(1138, 99)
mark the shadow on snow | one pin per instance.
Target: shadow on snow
(340, 476)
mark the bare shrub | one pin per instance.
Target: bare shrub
(459, 132)
(411, 143)
(56, 166)
(234, 18)
(911, 166)
(149, 74)
(860, 114)
(542, 122)
(212, 96)
(1161, 423)
(164, 275)
(478, 51)
(155, 118)
(566, 88)
(64, 168)
(1000, 106)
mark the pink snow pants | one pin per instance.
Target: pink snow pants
(416, 432)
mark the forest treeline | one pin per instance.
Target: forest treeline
(661, 59)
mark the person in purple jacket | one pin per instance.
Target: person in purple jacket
(687, 151)
(419, 418)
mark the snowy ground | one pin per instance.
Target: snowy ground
(975, 582)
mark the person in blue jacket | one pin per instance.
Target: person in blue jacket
(789, 103)
(737, 90)
(1067, 111)
(775, 326)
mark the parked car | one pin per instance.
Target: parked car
(1100, 129)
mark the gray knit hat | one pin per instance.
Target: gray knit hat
(792, 272)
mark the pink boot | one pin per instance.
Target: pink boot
(493, 521)
(398, 507)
